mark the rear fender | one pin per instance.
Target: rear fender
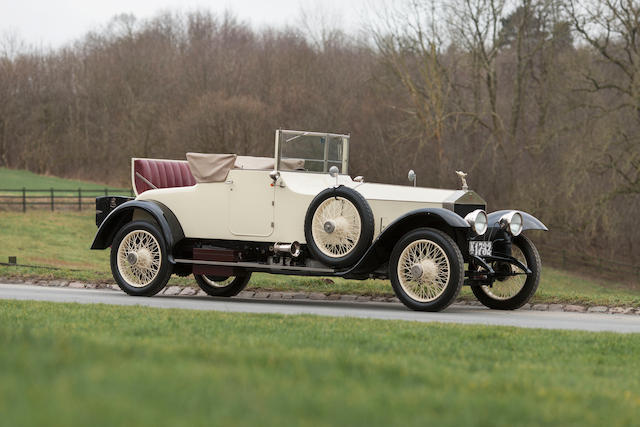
(169, 225)
(529, 222)
(441, 219)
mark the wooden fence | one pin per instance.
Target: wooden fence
(53, 198)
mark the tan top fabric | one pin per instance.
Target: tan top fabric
(210, 167)
(216, 167)
(267, 163)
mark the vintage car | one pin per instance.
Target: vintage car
(222, 217)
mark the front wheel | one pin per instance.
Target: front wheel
(426, 269)
(139, 261)
(512, 291)
(222, 286)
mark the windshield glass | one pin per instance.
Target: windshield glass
(319, 151)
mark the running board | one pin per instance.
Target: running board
(256, 265)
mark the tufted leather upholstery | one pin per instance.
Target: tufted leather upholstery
(162, 173)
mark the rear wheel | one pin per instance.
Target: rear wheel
(219, 286)
(139, 262)
(426, 269)
(513, 291)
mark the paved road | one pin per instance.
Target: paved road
(454, 314)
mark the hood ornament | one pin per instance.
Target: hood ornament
(463, 178)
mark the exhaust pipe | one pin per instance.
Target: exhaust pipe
(292, 249)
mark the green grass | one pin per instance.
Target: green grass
(63, 239)
(18, 179)
(69, 364)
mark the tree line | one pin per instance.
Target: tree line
(537, 100)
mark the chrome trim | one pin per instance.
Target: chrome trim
(505, 222)
(292, 249)
(472, 217)
(411, 175)
(304, 132)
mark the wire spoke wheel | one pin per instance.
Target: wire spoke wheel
(336, 227)
(423, 270)
(216, 282)
(222, 286)
(510, 286)
(139, 258)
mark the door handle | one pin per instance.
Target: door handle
(229, 181)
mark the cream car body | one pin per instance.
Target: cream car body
(227, 210)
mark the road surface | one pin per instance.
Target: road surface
(387, 311)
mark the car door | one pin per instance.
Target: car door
(250, 202)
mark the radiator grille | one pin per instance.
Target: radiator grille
(463, 210)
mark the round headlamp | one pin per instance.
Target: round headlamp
(478, 221)
(512, 222)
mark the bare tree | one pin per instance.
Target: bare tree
(611, 28)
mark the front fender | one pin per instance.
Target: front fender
(380, 250)
(169, 225)
(529, 222)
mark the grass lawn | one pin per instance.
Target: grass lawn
(62, 239)
(70, 364)
(13, 179)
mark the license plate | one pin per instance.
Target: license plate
(481, 248)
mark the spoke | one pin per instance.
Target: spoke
(146, 247)
(512, 285)
(428, 255)
(342, 241)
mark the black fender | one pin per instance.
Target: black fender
(529, 222)
(380, 250)
(169, 224)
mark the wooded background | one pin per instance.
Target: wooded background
(538, 100)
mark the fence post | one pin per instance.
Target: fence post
(24, 199)
(52, 199)
(106, 191)
(79, 199)
(564, 258)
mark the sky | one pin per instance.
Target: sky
(53, 23)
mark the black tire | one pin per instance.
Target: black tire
(366, 226)
(232, 289)
(455, 276)
(163, 272)
(530, 286)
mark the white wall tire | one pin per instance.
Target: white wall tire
(339, 226)
(139, 262)
(426, 269)
(514, 292)
(222, 286)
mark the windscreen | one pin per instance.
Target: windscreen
(319, 151)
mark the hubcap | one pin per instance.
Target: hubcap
(132, 258)
(139, 258)
(329, 226)
(423, 270)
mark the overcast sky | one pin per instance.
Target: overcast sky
(51, 23)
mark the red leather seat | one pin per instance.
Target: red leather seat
(161, 173)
